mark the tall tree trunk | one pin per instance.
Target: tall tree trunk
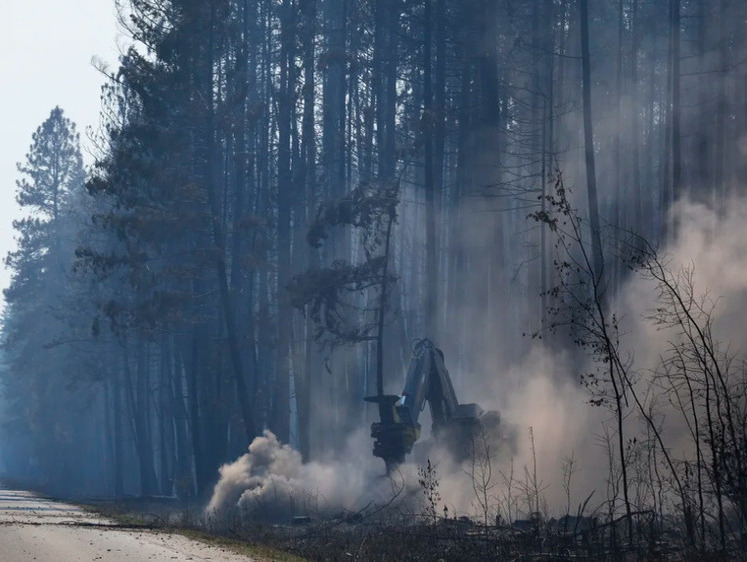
(596, 242)
(191, 355)
(719, 177)
(548, 153)
(428, 118)
(308, 176)
(439, 147)
(637, 215)
(208, 155)
(285, 195)
(119, 415)
(676, 105)
(165, 418)
(183, 474)
(138, 402)
(333, 162)
(591, 175)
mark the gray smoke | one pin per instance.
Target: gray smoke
(272, 482)
(541, 398)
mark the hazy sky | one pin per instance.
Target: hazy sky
(46, 48)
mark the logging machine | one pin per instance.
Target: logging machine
(454, 426)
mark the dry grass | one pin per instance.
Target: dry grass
(144, 513)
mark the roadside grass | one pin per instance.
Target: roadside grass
(128, 515)
(259, 552)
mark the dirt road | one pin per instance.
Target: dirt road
(33, 528)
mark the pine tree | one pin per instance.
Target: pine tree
(37, 311)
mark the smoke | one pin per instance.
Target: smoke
(707, 261)
(272, 482)
(707, 258)
(540, 394)
(545, 409)
(713, 245)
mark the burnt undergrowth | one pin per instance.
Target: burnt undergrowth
(392, 534)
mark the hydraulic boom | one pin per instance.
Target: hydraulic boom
(454, 424)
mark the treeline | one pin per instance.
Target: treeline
(148, 333)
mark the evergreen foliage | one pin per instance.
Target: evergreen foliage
(46, 379)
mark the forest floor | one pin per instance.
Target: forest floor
(166, 528)
(395, 537)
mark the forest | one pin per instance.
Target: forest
(287, 193)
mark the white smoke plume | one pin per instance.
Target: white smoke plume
(713, 246)
(272, 482)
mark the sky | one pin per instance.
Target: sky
(46, 48)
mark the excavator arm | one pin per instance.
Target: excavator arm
(427, 381)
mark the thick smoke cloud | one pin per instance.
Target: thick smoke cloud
(707, 259)
(713, 245)
(271, 481)
(540, 398)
